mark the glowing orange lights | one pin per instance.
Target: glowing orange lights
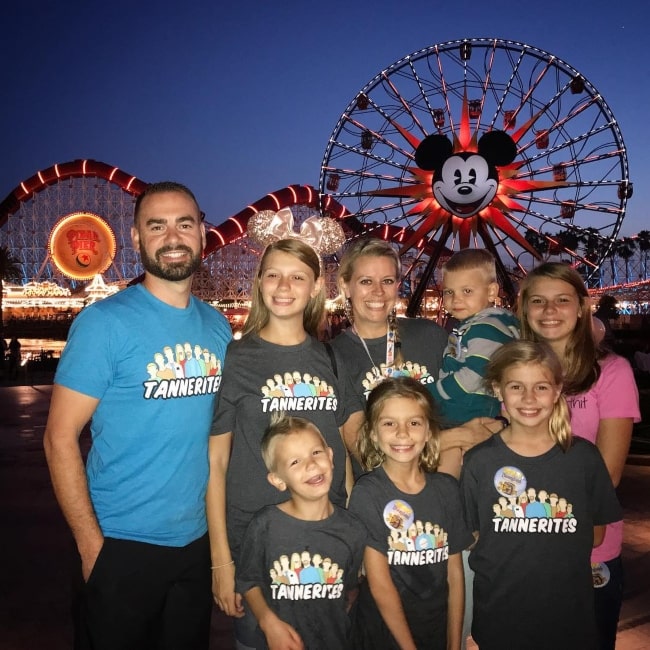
(82, 245)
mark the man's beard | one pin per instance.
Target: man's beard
(175, 271)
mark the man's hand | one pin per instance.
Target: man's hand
(89, 557)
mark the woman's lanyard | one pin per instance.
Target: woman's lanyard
(390, 352)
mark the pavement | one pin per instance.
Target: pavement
(38, 557)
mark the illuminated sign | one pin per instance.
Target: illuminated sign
(82, 245)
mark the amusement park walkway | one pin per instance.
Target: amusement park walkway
(38, 556)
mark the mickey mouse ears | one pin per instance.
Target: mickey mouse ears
(324, 235)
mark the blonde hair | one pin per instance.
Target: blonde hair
(366, 248)
(534, 353)
(281, 425)
(258, 317)
(472, 259)
(369, 453)
(581, 354)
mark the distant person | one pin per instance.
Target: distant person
(311, 612)
(137, 512)
(606, 312)
(642, 359)
(3, 353)
(14, 357)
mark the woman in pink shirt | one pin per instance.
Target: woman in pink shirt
(554, 307)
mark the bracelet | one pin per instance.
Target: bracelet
(219, 566)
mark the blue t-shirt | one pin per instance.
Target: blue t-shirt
(147, 468)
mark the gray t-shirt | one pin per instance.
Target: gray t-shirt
(536, 518)
(304, 569)
(422, 341)
(260, 378)
(417, 533)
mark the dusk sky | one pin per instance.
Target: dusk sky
(239, 99)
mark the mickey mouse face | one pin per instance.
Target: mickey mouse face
(464, 183)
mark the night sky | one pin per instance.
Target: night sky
(239, 99)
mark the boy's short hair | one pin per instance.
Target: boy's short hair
(282, 424)
(470, 259)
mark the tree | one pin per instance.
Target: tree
(537, 241)
(625, 248)
(594, 247)
(9, 270)
(643, 242)
(563, 241)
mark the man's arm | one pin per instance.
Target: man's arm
(70, 411)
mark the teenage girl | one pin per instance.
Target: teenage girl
(414, 595)
(533, 584)
(555, 307)
(278, 343)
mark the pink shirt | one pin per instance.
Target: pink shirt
(614, 395)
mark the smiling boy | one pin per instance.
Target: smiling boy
(313, 613)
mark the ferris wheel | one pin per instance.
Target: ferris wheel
(409, 158)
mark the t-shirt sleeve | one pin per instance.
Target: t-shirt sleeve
(460, 537)
(353, 401)
(619, 395)
(357, 537)
(366, 509)
(607, 508)
(225, 408)
(86, 365)
(469, 492)
(249, 571)
(348, 400)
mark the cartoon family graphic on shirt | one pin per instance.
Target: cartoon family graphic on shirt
(305, 576)
(518, 500)
(407, 369)
(295, 384)
(411, 540)
(296, 391)
(182, 370)
(184, 360)
(305, 569)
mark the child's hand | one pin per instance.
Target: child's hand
(280, 635)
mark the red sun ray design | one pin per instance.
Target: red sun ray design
(435, 216)
(481, 142)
